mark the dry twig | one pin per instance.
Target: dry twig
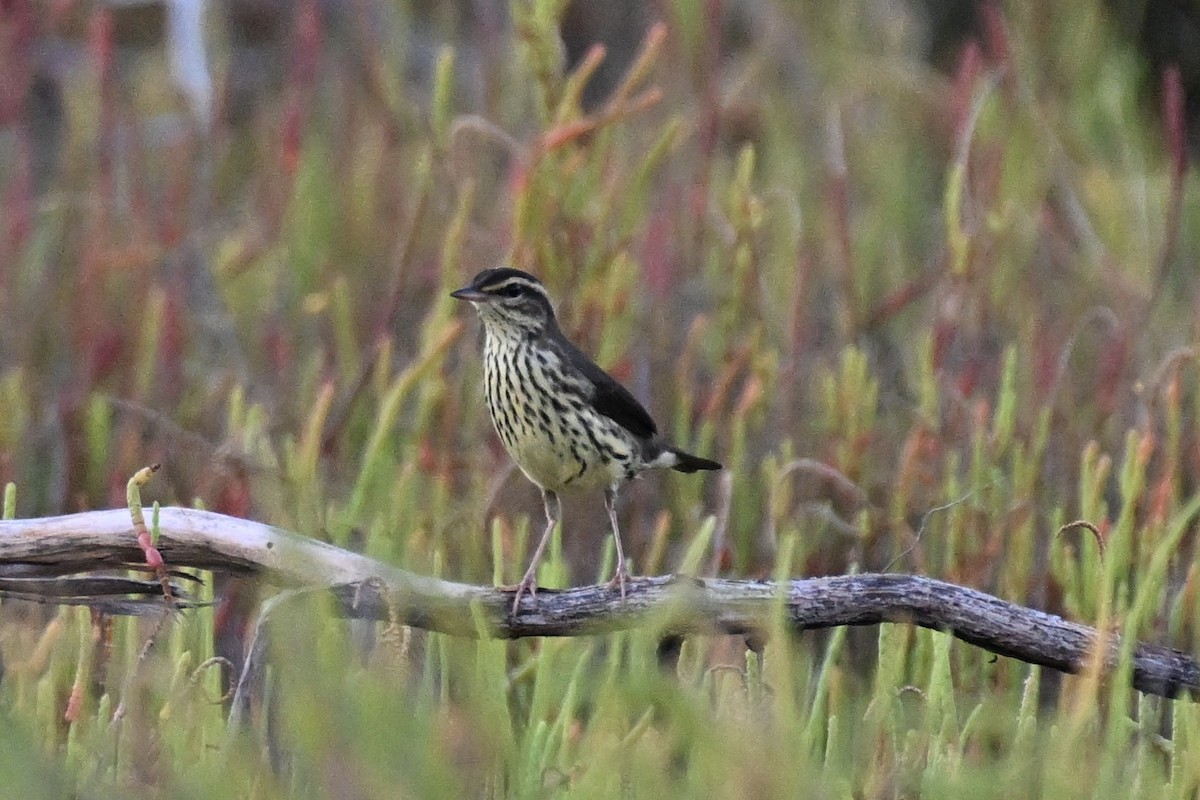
(675, 606)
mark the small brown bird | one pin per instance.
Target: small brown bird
(567, 423)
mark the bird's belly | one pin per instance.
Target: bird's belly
(557, 470)
(579, 453)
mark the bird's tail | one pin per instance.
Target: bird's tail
(686, 462)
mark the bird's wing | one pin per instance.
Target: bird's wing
(609, 397)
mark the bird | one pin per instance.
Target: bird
(567, 423)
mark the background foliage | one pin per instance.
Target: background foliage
(925, 315)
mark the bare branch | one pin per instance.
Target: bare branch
(672, 605)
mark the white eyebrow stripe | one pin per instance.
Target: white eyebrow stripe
(517, 280)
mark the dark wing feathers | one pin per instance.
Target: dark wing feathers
(615, 402)
(610, 398)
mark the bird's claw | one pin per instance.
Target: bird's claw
(619, 579)
(528, 585)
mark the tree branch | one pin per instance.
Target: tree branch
(74, 548)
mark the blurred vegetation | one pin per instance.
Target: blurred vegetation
(924, 317)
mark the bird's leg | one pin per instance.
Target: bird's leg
(622, 573)
(529, 582)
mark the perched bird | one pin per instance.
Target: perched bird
(567, 423)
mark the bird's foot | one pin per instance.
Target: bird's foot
(528, 585)
(620, 578)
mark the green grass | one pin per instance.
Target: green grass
(957, 292)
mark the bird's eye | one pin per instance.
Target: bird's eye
(511, 290)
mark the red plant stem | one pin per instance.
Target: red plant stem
(1175, 124)
(154, 559)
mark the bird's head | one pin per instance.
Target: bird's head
(509, 301)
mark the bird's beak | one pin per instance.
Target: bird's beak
(470, 294)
